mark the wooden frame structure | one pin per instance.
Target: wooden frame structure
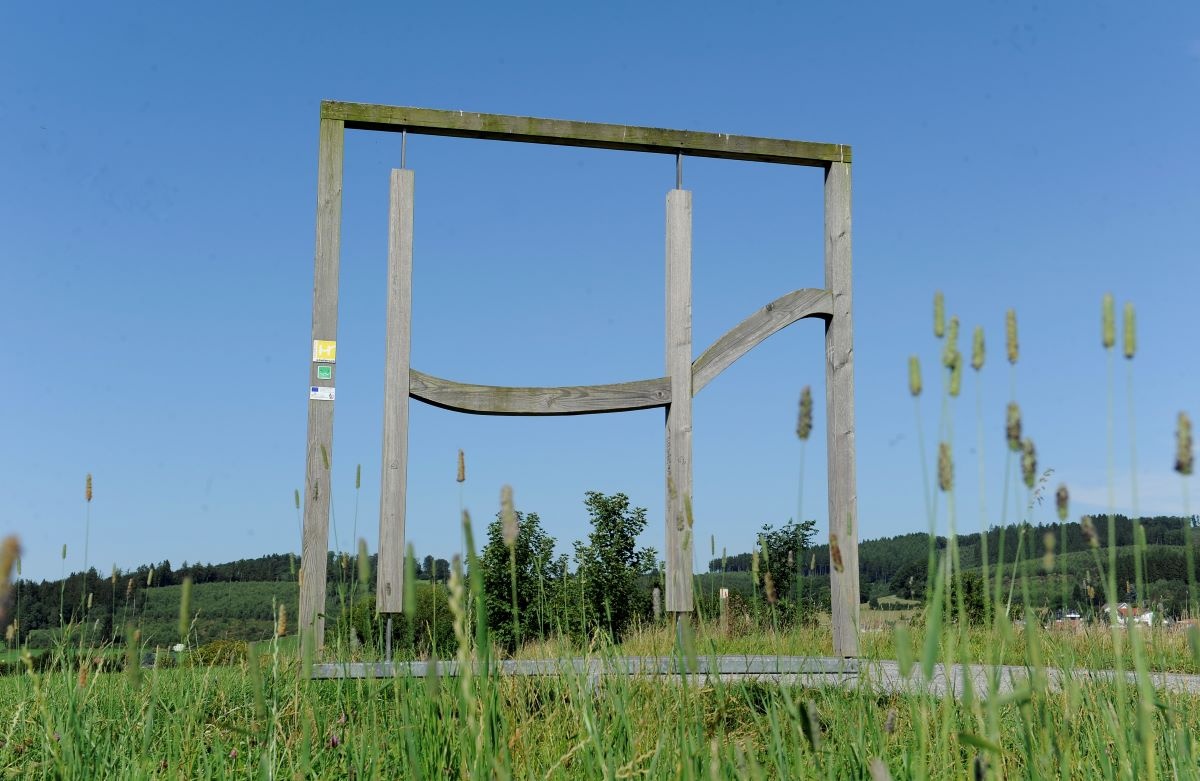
(684, 377)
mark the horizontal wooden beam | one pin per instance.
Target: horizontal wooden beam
(569, 400)
(502, 127)
(624, 396)
(746, 335)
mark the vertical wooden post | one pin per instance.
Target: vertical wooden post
(679, 412)
(314, 549)
(389, 589)
(839, 401)
(724, 612)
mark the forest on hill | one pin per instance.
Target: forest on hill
(237, 599)
(898, 566)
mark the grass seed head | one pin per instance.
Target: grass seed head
(1129, 332)
(945, 467)
(1108, 322)
(769, 587)
(805, 420)
(1061, 500)
(462, 467)
(1010, 335)
(1185, 460)
(914, 376)
(1088, 527)
(980, 766)
(1012, 426)
(939, 315)
(977, 349)
(185, 608)
(297, 497)
(956, 370)
(950, 351)
(87, 488)
(281, 625)
(1048, 555)
(509, 516)
(364, 562)
(458, 607)
(879, 770)
(358, 477)
(10, 552)
(1028, 462)
(889, 724)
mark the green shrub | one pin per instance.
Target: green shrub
(219, 652)
(431, 631)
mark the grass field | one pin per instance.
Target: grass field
(260, 719)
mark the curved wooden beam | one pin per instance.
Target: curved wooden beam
(746, 335)
(569, 400)
(623, 396)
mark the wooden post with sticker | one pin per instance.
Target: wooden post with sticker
(314, 548)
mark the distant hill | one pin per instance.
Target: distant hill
(236, 599)
(897, 566)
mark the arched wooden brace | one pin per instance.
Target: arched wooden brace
(625, 396)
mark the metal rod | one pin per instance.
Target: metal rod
(403, 147)
(679, 170)
(388, 641)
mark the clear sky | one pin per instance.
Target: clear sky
(157, 193)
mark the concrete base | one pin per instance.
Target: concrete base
(723, 667)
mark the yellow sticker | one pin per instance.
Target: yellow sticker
(324, 351)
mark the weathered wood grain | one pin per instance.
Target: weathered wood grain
(389, 590)
(567, 400)
(748, 334)
(501, 127)
(839, 401)
(679, 412)
(314, 549)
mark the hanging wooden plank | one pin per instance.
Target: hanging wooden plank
(839, 401)
(314, 550)
(501, 127)
(389, 588)
(679, 413)
(566, 400)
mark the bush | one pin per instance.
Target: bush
(611, 566)
(431, 631)
(536, 582)
(219, 652)
(41, 639)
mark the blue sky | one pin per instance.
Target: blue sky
(157, 212)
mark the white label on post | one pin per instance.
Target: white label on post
(320, 393)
